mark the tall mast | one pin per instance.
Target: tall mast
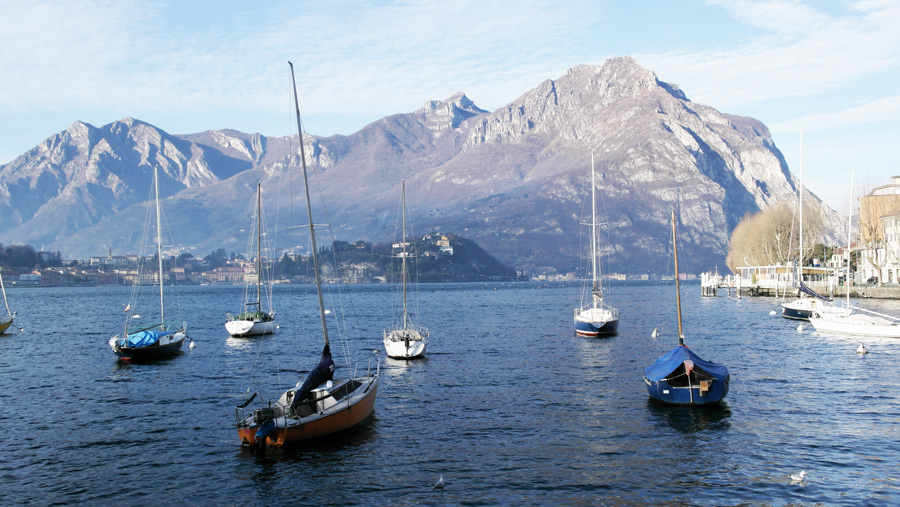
(162, 308)
(801, 202)
(595, 289)
(258, 245)
(312, 232)
(849, 231)
(3, 290)
(677, 284)
(403, 249)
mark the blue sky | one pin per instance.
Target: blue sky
(193, 66)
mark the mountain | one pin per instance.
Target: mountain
(515, 180)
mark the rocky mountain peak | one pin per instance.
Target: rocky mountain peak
(449, 113)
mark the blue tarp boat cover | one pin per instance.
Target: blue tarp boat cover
(670, 362)
(323, 372)
(806, 290)
(145, 338)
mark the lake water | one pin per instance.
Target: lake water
(509, 406)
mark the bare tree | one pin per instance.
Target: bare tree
(873, 210)
(770, 237)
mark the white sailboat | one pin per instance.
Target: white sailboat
(321, 405)
(808, 301)
(7, 320)
(159, 339)
(595, 318)
(405, 340)
(253, 320)
(851, 320)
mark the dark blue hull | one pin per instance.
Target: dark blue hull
(150, 352)
(607, 328)
(665, 393)
(796, 314)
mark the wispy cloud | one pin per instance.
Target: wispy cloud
(351, 56)
(801, 51)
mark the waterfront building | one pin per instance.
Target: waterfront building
(879, 231)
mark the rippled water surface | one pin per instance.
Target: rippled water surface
(509, 406)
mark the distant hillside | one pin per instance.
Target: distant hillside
(514, 180)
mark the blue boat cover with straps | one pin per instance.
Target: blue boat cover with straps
(670, 362)
(145, 338)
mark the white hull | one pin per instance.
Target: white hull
(596, 316)
(405, 343)
(249, 328)
(856, 324)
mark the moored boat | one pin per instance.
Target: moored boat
(807, 303)
(321, 406)
(7, 320)
(681, 377)
(595, 318)
(150, 341)
(405, 340)
(253, 320)
(850, 320)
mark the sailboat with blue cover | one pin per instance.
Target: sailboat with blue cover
(595, 318)
(158, 339)
(681, 377)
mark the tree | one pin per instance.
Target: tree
(768, 237)
(875, 212)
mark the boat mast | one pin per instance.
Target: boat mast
(677, 285)
(312, 232)
(403, 250)
(849, 231)
(801, 205)
(162, 308)
(3, 290)
(258, 245)
(595, 289)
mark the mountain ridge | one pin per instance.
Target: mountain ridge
(514, 180)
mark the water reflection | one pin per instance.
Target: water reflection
(688, 419)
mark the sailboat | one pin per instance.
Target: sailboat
(405, 340)
(851, 320)
(803, 307)
(253, 320)
(595, 318)
(321, 405)
(681, 377)
(157, 340)
(6, 321)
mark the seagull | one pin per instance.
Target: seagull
(861, 349)
(773, 312)
(655, 332)
(800, 327)
(439, 484)
(798, 477)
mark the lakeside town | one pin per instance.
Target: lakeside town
(441, 258)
